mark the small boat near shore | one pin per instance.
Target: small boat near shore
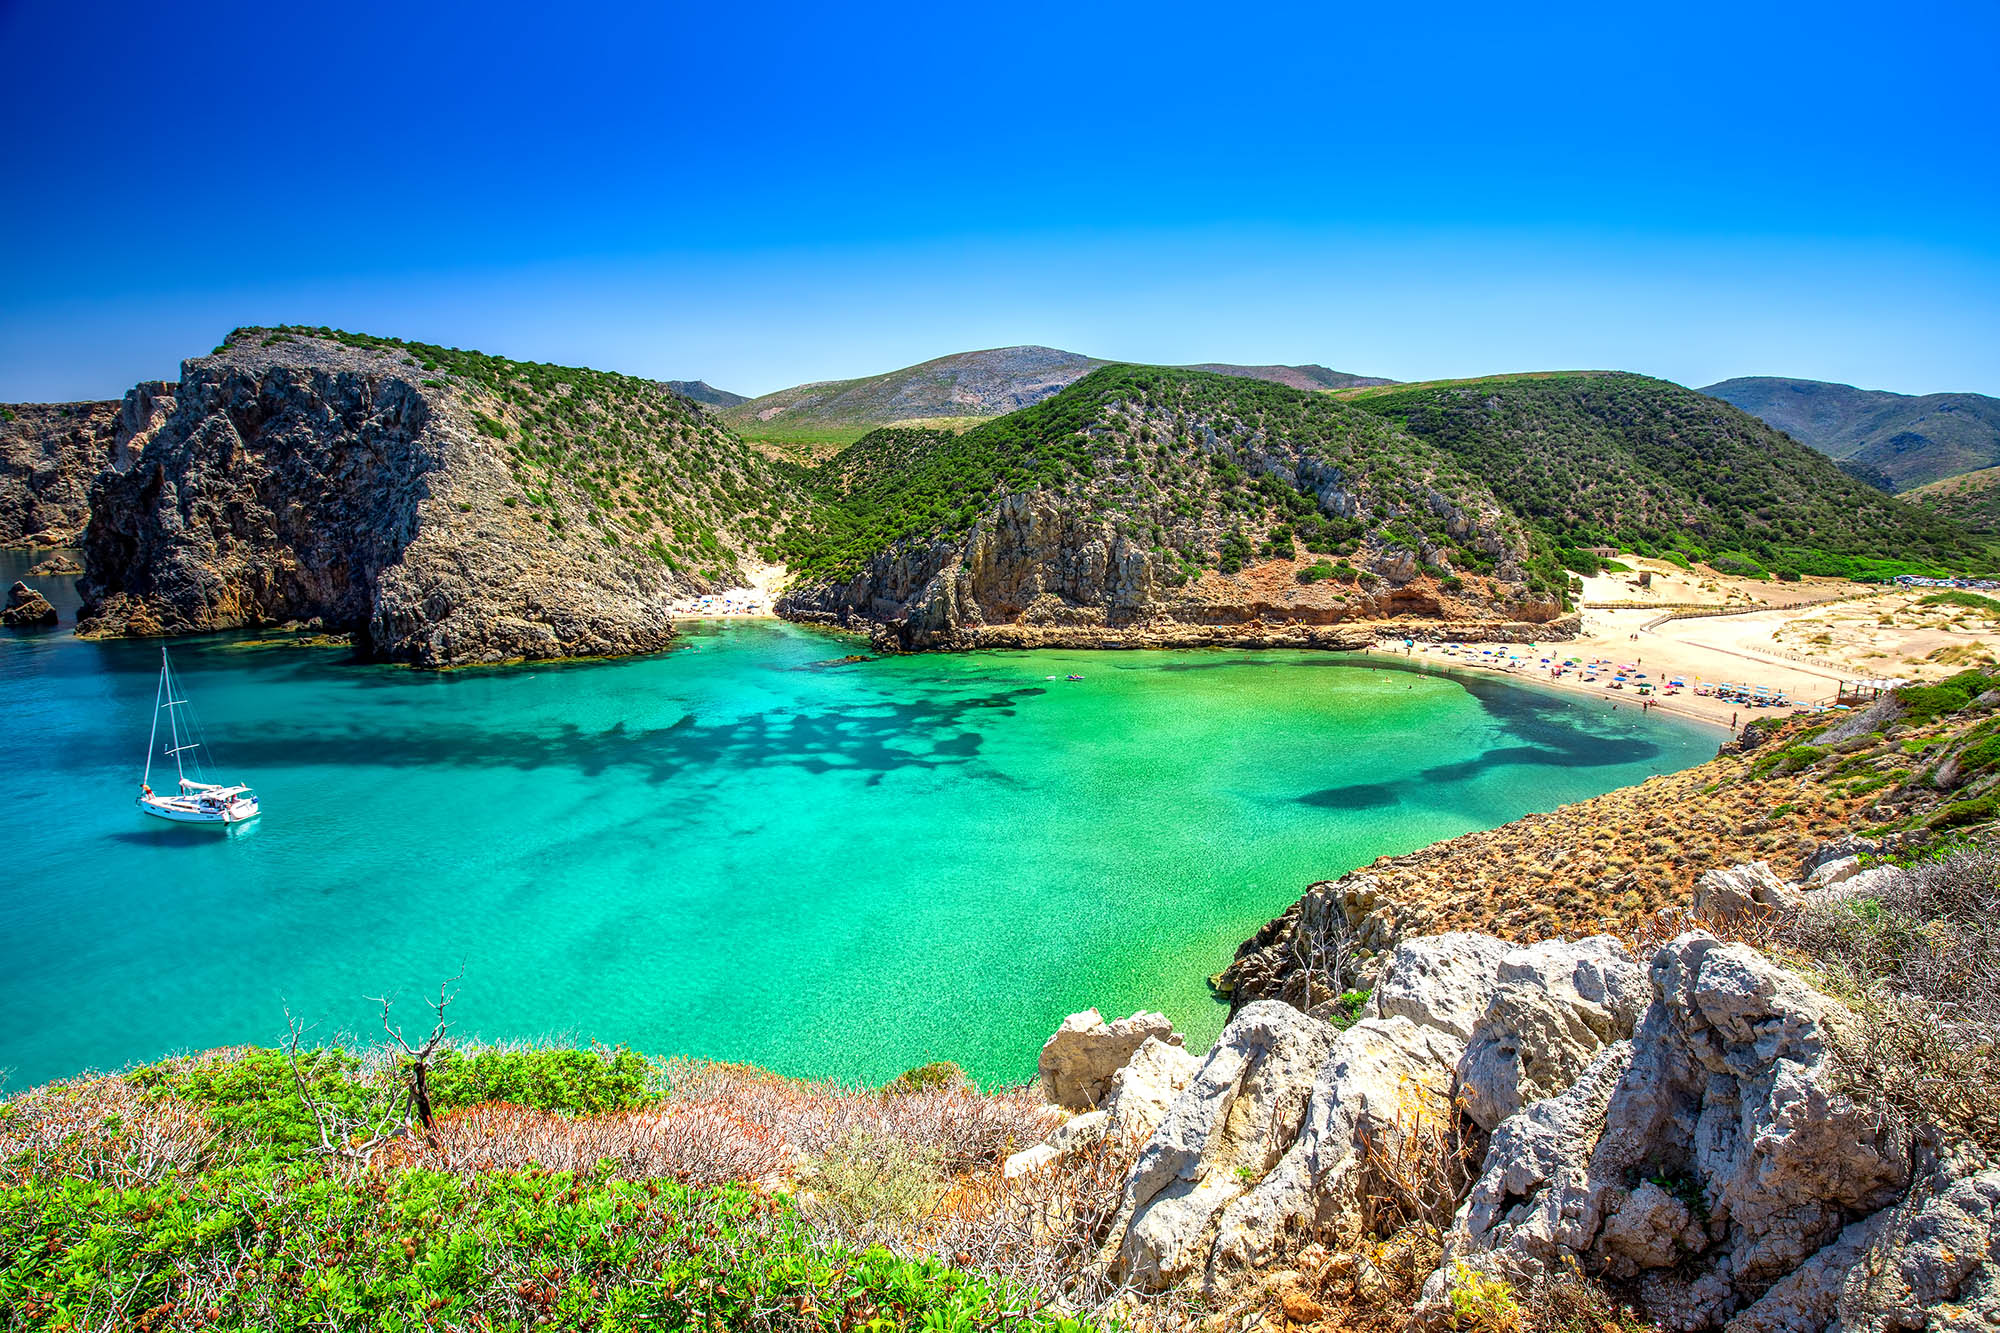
(194, 800)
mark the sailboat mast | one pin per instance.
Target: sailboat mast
(153, 737)
(173, 720)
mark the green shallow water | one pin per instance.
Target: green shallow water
(733, 849)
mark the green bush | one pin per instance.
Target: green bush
(577, 1082)
(282, 1247)
(937, 1074)
(1740, 564)
(1317, 570)
(1234, 552)
(253, 1095)
(1971, 600)
(1921, 703)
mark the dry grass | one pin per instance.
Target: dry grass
(103, 1129)
(697, 1142)
(1918, 960)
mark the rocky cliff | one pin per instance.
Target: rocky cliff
(1510, 1136)
(446, 507)
(1150, 507)
(51, 452)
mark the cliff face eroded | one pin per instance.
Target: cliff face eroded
(298, 478)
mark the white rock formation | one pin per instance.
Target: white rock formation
(1224, 1133)
(1933, 1261)
(1142, 1091)
(1030, 1160)
(1723, 893)
(1078, 1062)
(1439, 981)
(1553, 1007)
(1706, 1160)
(1383, 1079)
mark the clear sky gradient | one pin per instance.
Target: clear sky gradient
(762, 195)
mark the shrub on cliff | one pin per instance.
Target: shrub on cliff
(196, 1193)
(1917, 955)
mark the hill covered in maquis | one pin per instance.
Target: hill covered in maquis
(1171, 496)
(449, 507)
(1594, 458)
(1970, 499)
(1902, 440)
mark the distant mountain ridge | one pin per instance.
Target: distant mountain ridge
(701, 391)
(1293, 377)
(1908, 439)
(958, 391)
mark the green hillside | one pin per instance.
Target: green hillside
(1971, 499)
(1207, 470)
(1908, 439)
(1603, 458)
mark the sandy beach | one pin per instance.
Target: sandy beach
(1798, 639)
(758, 601)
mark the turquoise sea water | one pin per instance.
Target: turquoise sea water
(734, 849)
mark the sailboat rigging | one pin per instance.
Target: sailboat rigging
(193, 801)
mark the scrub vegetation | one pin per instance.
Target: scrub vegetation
(1620, 460)
(550, 1188)
(1206, 471)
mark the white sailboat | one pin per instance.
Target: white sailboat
(193, 801)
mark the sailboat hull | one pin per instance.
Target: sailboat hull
(161, 807)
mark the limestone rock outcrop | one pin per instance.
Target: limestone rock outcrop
(1553, 1007)
(1384, 1079)
(1705, 1161)
(1080, 1060)
(26, 609)
(1680, 1130)
(1442, 982)
(1740, 890)
(1453, 1019)
(1142, 1092)
(1227, 1130)
(1931, 1261)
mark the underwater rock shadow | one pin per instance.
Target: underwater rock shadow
(1355, 796)
(1564, 746)
(872, 739)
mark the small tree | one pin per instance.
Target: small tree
(357, 1135)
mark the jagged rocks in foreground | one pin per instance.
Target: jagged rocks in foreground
(1681, 1131)
(447, 508)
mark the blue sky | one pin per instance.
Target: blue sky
(773, 194)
